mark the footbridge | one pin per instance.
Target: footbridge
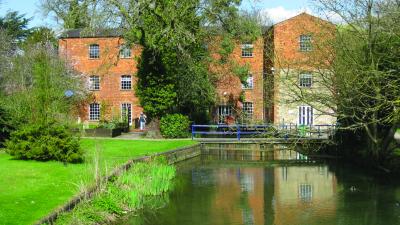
(265, 133)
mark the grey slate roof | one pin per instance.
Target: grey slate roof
(84, 33)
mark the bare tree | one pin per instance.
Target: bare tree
(361, 85)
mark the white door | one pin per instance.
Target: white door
(223, 112)
(306, 115)
(126, 111)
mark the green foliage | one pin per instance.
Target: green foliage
(242, 72)
(15, 26)
(35, 87)
(44, 143)
(141, 186)
(155, 89)
(5, 126)
(174, 126)
(60, 183)
(41, 36)
(247, 27)
(110, 201)
(73, 13)
(227, 46)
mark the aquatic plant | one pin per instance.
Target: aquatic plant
(141, 186)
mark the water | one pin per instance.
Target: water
(282, 187)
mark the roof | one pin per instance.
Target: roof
(85, 33)
(304, 14)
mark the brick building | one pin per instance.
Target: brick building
(110, 68)
(229, 88)
(298, 57)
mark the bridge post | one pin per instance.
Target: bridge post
(238, 131)
(192, 131)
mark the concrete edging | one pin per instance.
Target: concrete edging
(173, 156)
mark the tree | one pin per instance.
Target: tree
(40, 35)
(72, 13)
(362, 80)
(179, 32)
(155, 88)
(35, 86)
(174, 32)
(15, 26)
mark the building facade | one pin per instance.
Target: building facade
(109, 67)
(299, 63)
(283, 53)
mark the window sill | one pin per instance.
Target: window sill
(125, 57)
(125, 89)
(94, 58)
(248, 56)
(304, 87)
(247, 89)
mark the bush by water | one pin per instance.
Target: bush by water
(174, 126)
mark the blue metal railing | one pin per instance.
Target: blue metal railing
(240, 130)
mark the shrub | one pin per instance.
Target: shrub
(5, 126)
(44, 143)
(174, 126)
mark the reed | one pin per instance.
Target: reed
(144, 185)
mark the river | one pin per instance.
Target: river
(273, 185)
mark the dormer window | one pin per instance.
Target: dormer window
(94, 51)
(125, 52)
(247, 50)
(305, 43)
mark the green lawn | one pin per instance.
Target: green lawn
(30, 190)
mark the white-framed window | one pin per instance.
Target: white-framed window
(249, 82)
(305, 43)
(126, 82)
(126, 112)
(248, 109)
(305, 79)
(94, 51)
(247, 50)
(223, 112)
(94, 83)
(125, 52)
(305, 192)
(94, 111)
(306, 115)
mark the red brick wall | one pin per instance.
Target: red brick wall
(231, 85)
(109, 67)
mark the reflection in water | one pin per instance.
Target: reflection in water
(213, 191)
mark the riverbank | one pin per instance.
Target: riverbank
(142, 186)
(30, 190)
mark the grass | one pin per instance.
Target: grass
(142, 186)
(30, 190)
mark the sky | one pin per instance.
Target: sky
(277, 10)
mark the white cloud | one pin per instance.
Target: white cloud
(279, 13)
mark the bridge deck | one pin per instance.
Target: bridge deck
(260, 140)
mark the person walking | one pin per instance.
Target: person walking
(142, 121)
